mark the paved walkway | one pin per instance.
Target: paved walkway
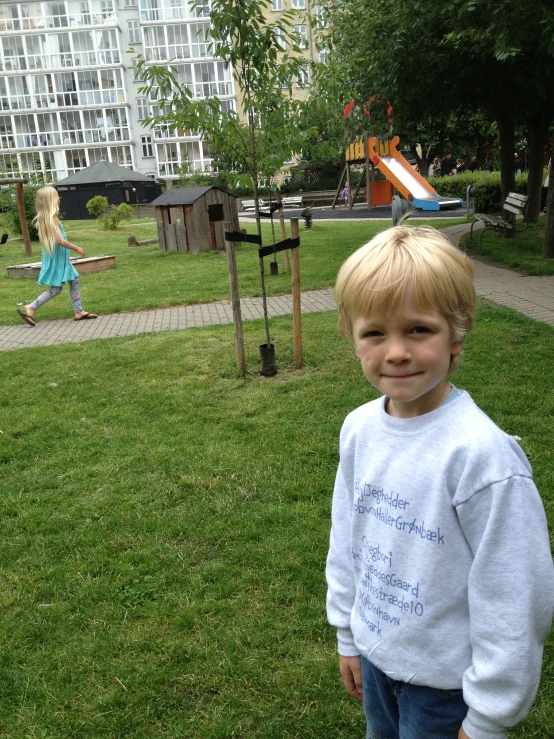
(533, 296)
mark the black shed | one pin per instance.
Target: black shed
(118, 184)
(192, 218)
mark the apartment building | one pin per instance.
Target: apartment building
(69, 96)
(68, 93)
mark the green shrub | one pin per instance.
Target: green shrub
(98, 206)
(120, 213)
(487, 199)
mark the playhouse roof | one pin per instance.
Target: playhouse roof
(103, 171)
(184, 195)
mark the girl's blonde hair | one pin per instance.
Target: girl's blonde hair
(401, 262)
(46, 218)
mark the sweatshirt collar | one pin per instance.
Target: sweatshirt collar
(420, 424)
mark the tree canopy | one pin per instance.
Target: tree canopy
(493, 58)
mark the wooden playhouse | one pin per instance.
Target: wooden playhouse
(192, 218)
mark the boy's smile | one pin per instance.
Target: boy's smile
(406, 356)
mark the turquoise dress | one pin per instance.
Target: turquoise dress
(57, 269)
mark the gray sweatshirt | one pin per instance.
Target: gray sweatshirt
(439, 568)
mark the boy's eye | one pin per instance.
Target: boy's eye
(371, 334)
(421, 330)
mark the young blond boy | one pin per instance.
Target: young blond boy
(440, 576)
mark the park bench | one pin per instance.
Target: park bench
(514, 203)
(294, 201)
(251, 204)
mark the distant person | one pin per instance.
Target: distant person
(446, 165)
(56, 268)
(345, 196)
(460, 166)
(518, 163)
(487, 166)
(435, 167)
(439, 572)
(473, 164)
(545, 185)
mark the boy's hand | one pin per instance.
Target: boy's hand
(351, 671)
(462, 734)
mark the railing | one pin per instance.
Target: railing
(62, 60)
(174, 13)
(207, 89)
(63, 99)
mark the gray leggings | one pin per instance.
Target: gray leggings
(74, 294)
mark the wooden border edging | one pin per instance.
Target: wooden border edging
(86, 265)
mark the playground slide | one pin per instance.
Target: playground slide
(404, 177)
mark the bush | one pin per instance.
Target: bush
(488, 198)
(8, 206)
(98, 206)
(310, 180)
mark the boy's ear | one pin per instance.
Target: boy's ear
(457, 346)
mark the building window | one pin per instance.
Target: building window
(280, 39)
(324, 52)
(133, 29)
(300, 32)
(303, 77)
(142, 108)
(276, 4)
(321, 17)
(131, 3)
(106, 10)
(147, 148)
(298, 4)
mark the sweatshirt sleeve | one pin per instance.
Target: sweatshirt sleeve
(341, 586)
(511, 602)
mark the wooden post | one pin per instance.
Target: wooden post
(22, 219)
(358, 188)
(367, 177)
(235, 301)
(339, 187)
(296, 305)
(283, 231)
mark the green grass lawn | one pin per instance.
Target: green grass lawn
(165, 526)
(146, 278)
(523, 252)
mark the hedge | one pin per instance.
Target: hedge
(488, 198)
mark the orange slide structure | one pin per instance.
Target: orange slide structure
(415, 188)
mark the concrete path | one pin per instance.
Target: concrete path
(533, 296)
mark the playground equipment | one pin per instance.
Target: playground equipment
(377, 193)
(415, 188)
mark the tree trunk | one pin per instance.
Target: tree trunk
(537, 134)
(548, 246)
(424, 162)
(506, 126)
(506, 131)
(481, 154)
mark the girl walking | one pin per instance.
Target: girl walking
(56, 267)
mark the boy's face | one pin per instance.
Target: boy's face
(406, 356)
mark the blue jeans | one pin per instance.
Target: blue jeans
(397, 710)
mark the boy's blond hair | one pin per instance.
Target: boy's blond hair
(414, 262)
